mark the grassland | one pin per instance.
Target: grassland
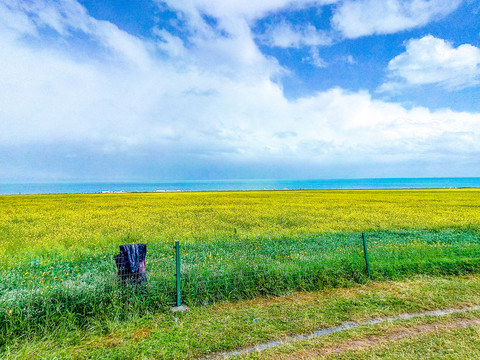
(87, 223)
(226, 326)
(59, 275)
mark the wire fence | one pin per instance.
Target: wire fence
(43, 289)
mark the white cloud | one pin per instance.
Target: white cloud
(151, 108)
(66, 17)
(349, 59)
(315, 58)
(61, 16)
(367, 17)
(285, 35)
(172, 45)
(234, 19)
(15, 22)
(430, 60)
(246, 9)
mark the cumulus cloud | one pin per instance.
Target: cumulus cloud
(430, 60)
(141, 108)
(366, 17)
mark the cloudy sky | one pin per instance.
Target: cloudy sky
(147, 90)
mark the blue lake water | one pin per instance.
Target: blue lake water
(227, 185)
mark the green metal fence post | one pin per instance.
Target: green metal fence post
(365, 252)
(177, 274)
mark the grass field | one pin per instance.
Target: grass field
(86, 223)
(226, 326)
(57, 250)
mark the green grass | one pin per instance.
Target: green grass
(452, 344)
(40, 292)
(453, 336)
(226, 326)
(429, 337)
(58, 274)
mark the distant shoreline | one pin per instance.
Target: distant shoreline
(120, 192)
(240, 185)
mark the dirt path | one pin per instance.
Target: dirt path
(395, 334)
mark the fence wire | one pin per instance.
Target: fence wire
(235, 270)
(41, 289)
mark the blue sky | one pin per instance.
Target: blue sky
(211, 89)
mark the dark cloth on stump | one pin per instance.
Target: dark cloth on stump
(131, 263)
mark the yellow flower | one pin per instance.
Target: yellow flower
(10, 311)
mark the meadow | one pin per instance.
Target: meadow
(57, 250)
(87, 223)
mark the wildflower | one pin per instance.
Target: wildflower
(10, 312)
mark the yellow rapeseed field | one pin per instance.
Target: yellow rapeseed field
(83, 221)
